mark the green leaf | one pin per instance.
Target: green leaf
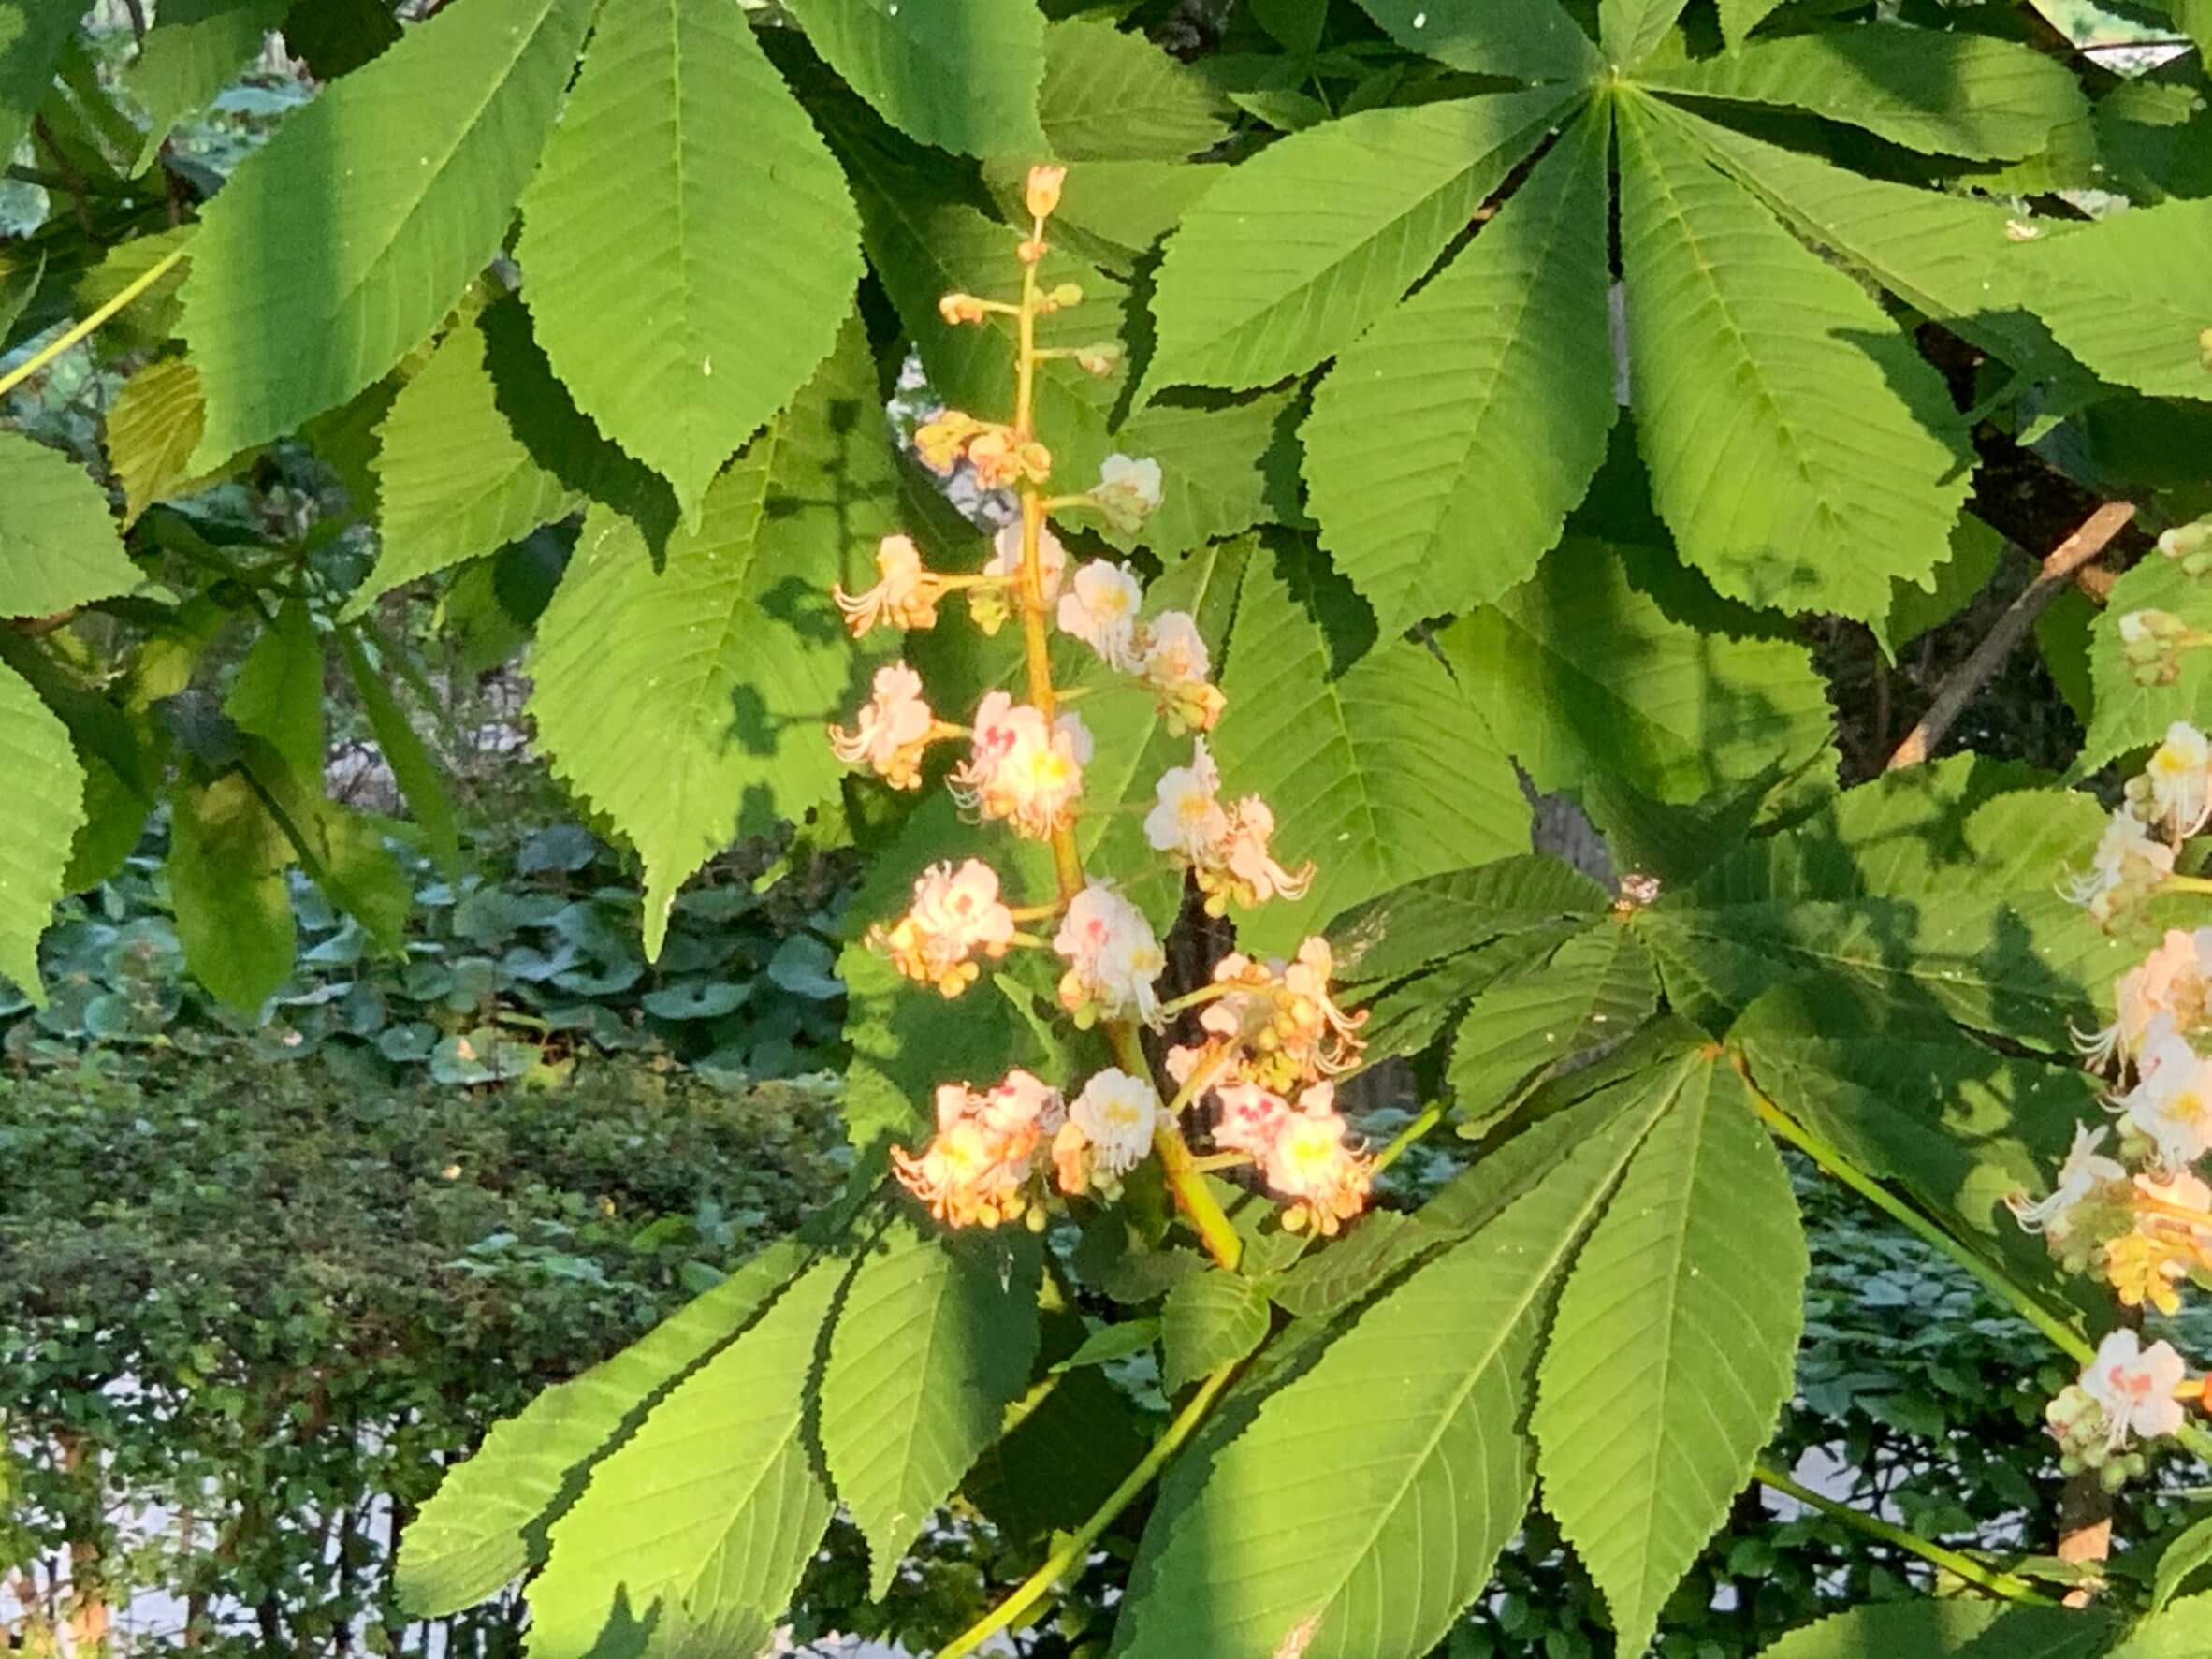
(278, 693)
(1604, 663)
(686, 698)
(226, 863)
(697, 1527)
(1295, 252)
(45, 810)
(454, 480)
(485, 1525)
(2177, 1632)
(1413, 1013)
(414, 770)
(302, 292)
(1596, 990)
(934, 1337)
(1951, 93)
(1381, 776)
(2128, 295)
(1362, 1508)
(2186, 1554)
(1927, 1628)
(680, 144)
(1113, 211)
(962, 75)
(1525, 40)
(1224, 466)
(1673, 1349)
(337, 37)
(32, 40)
(1209, 1320)
(1739, 17)
(58, 545)
(1789, 469)
(2195, 20)
(1631, 30)
(1977, 551)
(1500, 366)
(194, 51)
(1110, 95)
(1109, 1343)
(1429, 920)
(153, 427)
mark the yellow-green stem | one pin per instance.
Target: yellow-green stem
(1039, 1584)
(2007, 1585)
(1431, 1116)
(23, 371)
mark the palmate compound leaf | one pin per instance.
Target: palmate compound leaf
(1610, 661)
(1673, 1347)
(1790, 470)
(45, 810)
(959, 74)
(339, 246)
(1425, 922)
(1295, 252)
(194, 51)
(2130, 295)
(934, 1338)
(1948, 91)
(485, 1524)
(58, 543)
(1524, 39)
(1111, 95)
(1361, 1507)
(1380, 775)
(681, 149)
(1448, 445)
(1631, 30)
(686, 697)
(692, 1533)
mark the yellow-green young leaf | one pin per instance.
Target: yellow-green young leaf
(1768, 391)
(153, 428)
(1739, 17)
(412, 768)
(485, 1525)
(1941, 1628)
(1295, 252)
(1526, 40)
(2177, 1632)
(454, 480)
(278, 694)
(1592, 667)
(686, 698)
(192, 51)
(1110, 95)
(32, 40)
(1631, 30)
(45, 810)
(696, 1529)
(226, 863)
(1953, 94)
(1598, 989)
(2195, 20)
(2129, 715)
(1447, 447)
(2180, 1560)
(339, 246)
(1673, 1348)
(934, 1337)
(2131, 295)
(1362, 1508)
(688, 247)
(962, 75)
(1380, 775)
(58, 543)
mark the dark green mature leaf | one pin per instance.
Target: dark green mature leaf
(2128, 294)
(1361, 1509)
(1382, 774)
(487, 1523)
(1500, 366)
(1949, 91)
(1791, 472)
(454, 480)
(192, 51)
(58, 546)
(1209, 1320)
(960, 74)
(1673, 1348)
(679, 144)
(1526, 40)
(278, 694)
(1976, 550)
(45, 810)
(340, 245)
(226, 863)
(697, 1527)
(1428, 919)
(1110, 95)
(337, 37)
(1586, 672)
(934, 1338)
(686, 698)
(1295, 252)
(1598, 989)
(32, 40)
(414, 770)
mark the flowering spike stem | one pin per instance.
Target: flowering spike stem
(1431, 1116)
(2010, 1586)
(1071, 1554)
(1833, 1163)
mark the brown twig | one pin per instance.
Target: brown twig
(1963, 681)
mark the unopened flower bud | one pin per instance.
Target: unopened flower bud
(1031, 251)
(1100, 359)
(2204, 348)
(2185, 540)
(2149, 642)
(960, 308)
(1042, 194)
(1067, 294)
